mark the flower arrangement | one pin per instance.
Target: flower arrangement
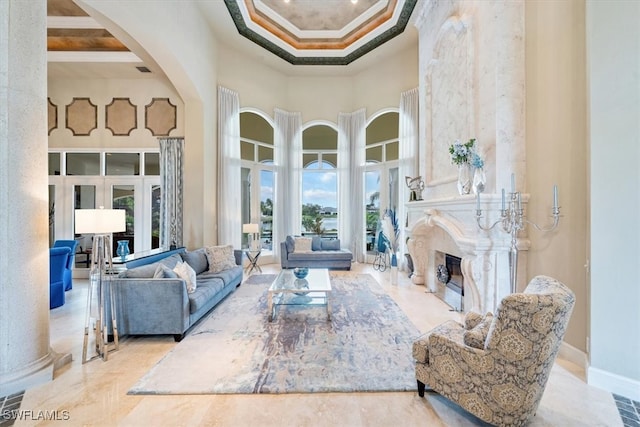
(476, 161)
(465, 154)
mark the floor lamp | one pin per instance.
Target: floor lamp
(101, 223)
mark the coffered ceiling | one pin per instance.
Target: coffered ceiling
(284, 34)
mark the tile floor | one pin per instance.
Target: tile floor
(95, 394)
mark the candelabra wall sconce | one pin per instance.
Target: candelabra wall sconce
(512, 220)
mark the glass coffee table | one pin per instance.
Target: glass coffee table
(313, 290)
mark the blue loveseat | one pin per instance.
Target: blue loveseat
(322, 253)
(148, 305)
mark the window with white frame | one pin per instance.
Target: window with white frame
(257, 176)
(320, 208)
(119, 179)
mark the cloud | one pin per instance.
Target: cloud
(320, 197)
(327, 178)
(266, 192)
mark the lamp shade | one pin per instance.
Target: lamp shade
(250, 228)
(100, 221)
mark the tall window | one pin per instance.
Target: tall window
(320, 181)
(122, 179)
(257, 176)
(381, 172)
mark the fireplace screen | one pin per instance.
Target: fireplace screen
(449, 280)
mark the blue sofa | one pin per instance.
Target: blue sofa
(324, 253)
(148, 305)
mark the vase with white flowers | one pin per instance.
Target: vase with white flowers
(391, 231)
(465, 156)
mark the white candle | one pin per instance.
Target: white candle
(503, 199)
(513, 183)
(555, 196)
(519, 202)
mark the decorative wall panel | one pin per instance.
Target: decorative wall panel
(52, 115)
(449, 98)
(82, 116)
(121, 117)
(160, 116)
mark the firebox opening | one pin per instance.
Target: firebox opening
(449, 280)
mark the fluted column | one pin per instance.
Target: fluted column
(25, 355)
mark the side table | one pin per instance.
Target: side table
(252, 256)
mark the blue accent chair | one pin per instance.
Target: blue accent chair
(58, 258)
(68, 272)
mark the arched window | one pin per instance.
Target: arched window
(320, 181)
(381, 172)
(257, 175)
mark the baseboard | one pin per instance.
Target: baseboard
(571, 354)
(614, 383)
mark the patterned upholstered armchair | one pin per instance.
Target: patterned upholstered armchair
(497, 367)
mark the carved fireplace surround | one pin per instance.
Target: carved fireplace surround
(449, 225)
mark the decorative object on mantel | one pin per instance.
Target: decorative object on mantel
(416, 185)
(513, 220)
(391, 231)
(479, 178)
(466, 157)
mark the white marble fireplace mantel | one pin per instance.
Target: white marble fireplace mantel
(449, 225)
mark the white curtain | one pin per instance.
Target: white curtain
(171, 190)
(229, 186)
(288, 153)
(351, 161)
(408, 138)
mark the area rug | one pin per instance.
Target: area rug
(366, 346)
(260, 279)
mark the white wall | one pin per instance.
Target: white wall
(556, 149)
(613, 52)
(318, 97)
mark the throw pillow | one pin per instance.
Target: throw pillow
(471, 319)
(476, 336)
(164, 272)
(220, 258)
(331, 245)
(143, 272)
(316, 243)
(196, 259)
(289, 244)
(302, 245)
(185, 272)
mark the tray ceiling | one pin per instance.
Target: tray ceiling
(328, 32)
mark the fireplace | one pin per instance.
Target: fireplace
(449, 280)
(479, 263)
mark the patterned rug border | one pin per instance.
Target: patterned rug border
(294, 366)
